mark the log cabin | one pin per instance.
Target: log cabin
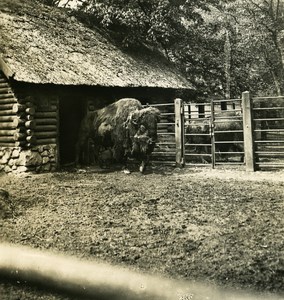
(53, 69)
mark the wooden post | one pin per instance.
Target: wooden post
(248, 131)
(212, 135)
(179, 132)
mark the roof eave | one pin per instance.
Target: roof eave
(6, 69)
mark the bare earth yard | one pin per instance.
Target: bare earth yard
(219, 226)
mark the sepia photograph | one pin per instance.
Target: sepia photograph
(142, 149)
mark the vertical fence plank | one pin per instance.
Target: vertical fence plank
(179, 132)
(212, 134)
(248, 132)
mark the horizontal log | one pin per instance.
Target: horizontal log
(19, 136)
(6, 90)
(18, 122)
(7, 112)
(5, 125)
(43, 115)
(4, 84)
(46, 121)
(40, 128)
(7, 118)
(30, 124)
(31, 139)
(29, 104)
(18, 108)
(8, 139)
(46, 141)
(20, 143)
(7, 132)
(51, 108)
(47, 134)
(30, 117)
(10, 100)
(30, 132)
(22, 108)
(7, 144)
(30, 110)
(6, 106)
(6, 96)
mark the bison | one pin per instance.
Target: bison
(224, 123)
(121, 130)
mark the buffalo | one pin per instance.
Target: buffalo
(227, 130)
(118, 131)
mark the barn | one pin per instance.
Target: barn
(53, 69)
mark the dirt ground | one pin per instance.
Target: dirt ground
(220, 226)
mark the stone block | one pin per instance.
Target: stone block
(34, 159)
(21, 161)
(44, 153)
(7, 169)
(15, 153)
(11, 162)
(22, 169)
(45, 160)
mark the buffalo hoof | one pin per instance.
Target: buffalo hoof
(142, 167)
(126, 171)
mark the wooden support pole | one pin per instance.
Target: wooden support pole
(179, 132)
(212, 135)
(248, 132)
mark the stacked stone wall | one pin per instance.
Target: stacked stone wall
(38, 159)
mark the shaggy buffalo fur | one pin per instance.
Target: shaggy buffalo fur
(125, 127)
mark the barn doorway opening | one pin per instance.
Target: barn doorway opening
(71, 112)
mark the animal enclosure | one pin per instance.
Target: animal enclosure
(245, 131)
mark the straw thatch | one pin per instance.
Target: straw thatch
(41, 44)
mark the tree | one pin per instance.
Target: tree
(224, 47)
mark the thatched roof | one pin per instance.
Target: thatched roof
(40, 44)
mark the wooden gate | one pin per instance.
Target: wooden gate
(268, 121)
(244, 131)
(214, 133)
(165, 150)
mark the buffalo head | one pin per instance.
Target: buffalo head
(142, 128)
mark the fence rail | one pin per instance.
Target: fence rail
(242, 131)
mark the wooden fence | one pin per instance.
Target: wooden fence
(245, 131)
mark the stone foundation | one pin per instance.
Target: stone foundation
(37, 159)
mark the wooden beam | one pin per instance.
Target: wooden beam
(248, 131)
(46, 141)
(179, 132)
(7, 125)
(6, 69)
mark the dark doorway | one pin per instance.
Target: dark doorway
(71, 112)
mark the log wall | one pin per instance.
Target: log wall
(28, 131)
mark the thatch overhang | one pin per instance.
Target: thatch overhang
(44, 45)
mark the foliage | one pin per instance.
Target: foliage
(224, 47)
